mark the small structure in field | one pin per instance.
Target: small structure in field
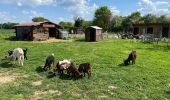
(157, 29)
(93, 33)
(37, 31)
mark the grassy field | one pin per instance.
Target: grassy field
(148, 79)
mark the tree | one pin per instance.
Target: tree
(102, 18)
(78, 22)
(87, 24)
(117, 23)
(130, 20)
(66, 25)
(39, 19)
(8, 25)
(163, 19)
(149, 18)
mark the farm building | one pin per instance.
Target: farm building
(160, 29)
(93, 33)
(37, 31)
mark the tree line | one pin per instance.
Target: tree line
(8, 25)
(104, 18)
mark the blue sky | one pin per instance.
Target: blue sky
(67, 10)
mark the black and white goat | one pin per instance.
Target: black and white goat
(18, 54)
(10, 52)
(49, 60)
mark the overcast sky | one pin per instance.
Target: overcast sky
(66, 10)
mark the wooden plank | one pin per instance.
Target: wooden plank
(47, 25)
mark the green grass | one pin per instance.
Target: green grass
(147, 79)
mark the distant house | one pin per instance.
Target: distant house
(93, 33)
(36, 31)
(160, 29)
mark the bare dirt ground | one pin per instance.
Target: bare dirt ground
(39, 94)
(7, 77)
(52, 40)
(37, 83)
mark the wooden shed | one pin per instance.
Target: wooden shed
(160, 29)
(93, 33)
(37, 31)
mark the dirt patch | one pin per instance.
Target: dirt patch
(76, 94)
(111, 90)
(39, 94)
(52, 40)
(37, 83)
(103, 96)
(7, 77)
(112, 87)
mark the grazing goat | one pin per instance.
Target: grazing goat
(61, 66)
(85, 68)
(132, 57)
(10, 52)
(18, 54)
(49, 60)
(74, 71)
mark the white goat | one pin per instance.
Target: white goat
(18, 53)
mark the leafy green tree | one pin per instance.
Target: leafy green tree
(78, 22)
(117, 23)
(103, 17)
(87, 24)
(163, 19)
(66, 25)
(39, 19)
(130, 20)
(8, 25)
(149, 18)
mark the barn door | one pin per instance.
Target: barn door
(150, 30)
(165, 32)
(136, 31)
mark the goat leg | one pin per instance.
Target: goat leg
(84, 74)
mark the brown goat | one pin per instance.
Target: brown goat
(85, 68)
(132, 57)
(74, 71)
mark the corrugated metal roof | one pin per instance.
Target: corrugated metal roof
(31, 23)
(95, 27)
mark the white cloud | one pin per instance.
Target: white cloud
(114, 11)
(154, 7)
(62, 19)
(26, 3)
(7, 17)
(75, 7)
(31, 13)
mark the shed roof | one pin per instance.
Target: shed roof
(95, 27)
(33, 23)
